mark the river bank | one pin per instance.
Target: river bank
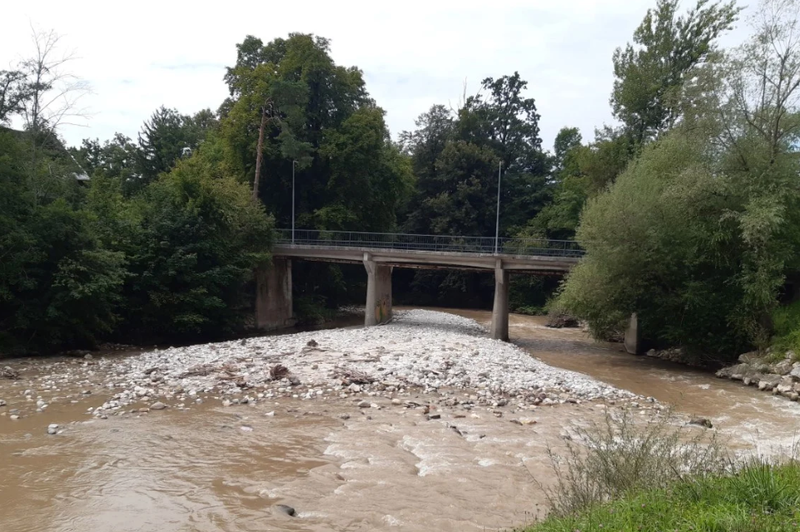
(422, 424)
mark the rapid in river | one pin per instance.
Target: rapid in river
(338, 465)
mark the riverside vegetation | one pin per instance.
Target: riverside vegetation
(687, 211)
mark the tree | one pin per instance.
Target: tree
(11, 94)
(650, 72)
(165, 139)
(698, 233)
(50, 94)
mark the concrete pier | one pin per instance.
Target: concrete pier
(274, 295)
(500, 308)
(379, 292)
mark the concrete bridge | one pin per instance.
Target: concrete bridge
(381, 252)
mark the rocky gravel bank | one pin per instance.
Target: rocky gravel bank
(779, 375)
(419, 352)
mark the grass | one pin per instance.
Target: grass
(758, 497)
(623, 454)
(655, 476)
(786, 322)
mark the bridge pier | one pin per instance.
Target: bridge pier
(379, 292)
(500, 308)
(274, 295)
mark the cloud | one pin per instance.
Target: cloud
(414, 53)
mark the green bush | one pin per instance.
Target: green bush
(58, 286)
(786, 324)
(194, 238)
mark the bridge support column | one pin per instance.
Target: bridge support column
(274, 295)
(500, 309)
(379, 292)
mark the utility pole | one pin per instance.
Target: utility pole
(294, 163)
(497, 223)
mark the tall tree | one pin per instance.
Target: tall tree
(650, 72)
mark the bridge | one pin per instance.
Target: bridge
(381, 252)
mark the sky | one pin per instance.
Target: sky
(413, 53)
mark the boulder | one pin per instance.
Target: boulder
(702, 422)
(728, 373)
(795, 372)
(750, 357)
(784, 367)
(768, 382)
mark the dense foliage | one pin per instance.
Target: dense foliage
(698, 234)
(686, 207)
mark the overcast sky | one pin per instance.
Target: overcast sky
(137, 56)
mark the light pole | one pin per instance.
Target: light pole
(293, 165)
(497, 223)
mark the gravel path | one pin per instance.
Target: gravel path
(420, 350)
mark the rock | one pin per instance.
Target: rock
(52, 429)
(784, 389)
(314, 366)
(784, 367)
(13, 417)
(8, 373)
(284, 509)
(278, 372)
(433, 416)
(88, 356)
(158, 406)
(355, 388)
(730, 371)
(768, 382)
(3, 403)
(395, 401)
(363, 404)
(750, 357)
(226, 402)
(702, 422)
(795, 373)
(312, 343)
(344, 416)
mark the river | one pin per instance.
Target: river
(213, 468)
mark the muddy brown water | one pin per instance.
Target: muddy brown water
(210, 468)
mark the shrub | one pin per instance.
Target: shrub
(620, 456)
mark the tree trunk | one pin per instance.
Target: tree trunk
(259, 154)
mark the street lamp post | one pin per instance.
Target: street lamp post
(293, 165)
(497, 223)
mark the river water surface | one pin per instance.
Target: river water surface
(212, 468)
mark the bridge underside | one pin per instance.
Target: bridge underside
(274, 305)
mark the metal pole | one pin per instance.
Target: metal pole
(497, 224)
(293, 164)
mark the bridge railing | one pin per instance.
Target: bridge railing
(442, 243)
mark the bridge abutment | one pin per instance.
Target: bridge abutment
(379, 292)
(500, 308)
(274, 295)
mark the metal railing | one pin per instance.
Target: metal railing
(456, 244)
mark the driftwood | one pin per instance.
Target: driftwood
(8, 373)
(198, 371)
(352, 376)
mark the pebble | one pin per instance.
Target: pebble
(158, 406)
(52, 429)
(363, 404)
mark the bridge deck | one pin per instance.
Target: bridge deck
(430, 251)
(427, 259)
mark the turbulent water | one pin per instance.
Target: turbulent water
(212, 468)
